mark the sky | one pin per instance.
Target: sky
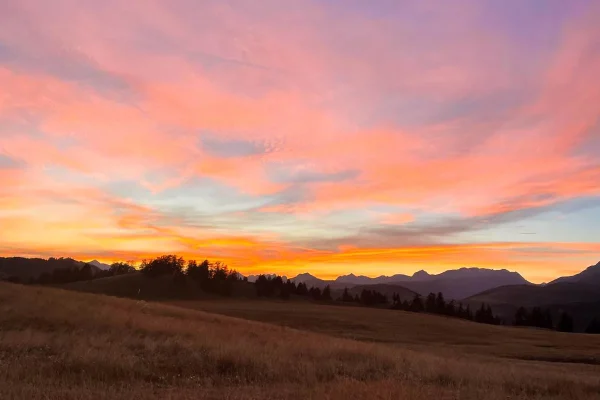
(328, 136)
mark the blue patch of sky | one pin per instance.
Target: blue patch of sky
(299, 173)
(8, 162)
(230, 148)
(571, 221)
(202, 194)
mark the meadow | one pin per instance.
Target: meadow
(57, 344)
(417, 331)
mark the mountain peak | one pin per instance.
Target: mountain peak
(99, 265)
(304, 277)
(421, 274)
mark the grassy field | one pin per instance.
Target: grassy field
(57, 344)
(420, 332)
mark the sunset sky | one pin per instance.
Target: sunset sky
(328, 136)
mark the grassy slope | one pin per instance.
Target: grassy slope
(578, 299)
(388, 289)
(419, 332)
(140, 287)
(57, 344)
(529, 295)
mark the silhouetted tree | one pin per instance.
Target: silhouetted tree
(521, 317)
(485, 315)
(372, 298)
(222, 278)
(287, 289)
(120, 268)
(548, 323)
(326, 295)
(450, 309)
(469, 313)
(417, 304)
(440, 303)
(565, 323)
(263, 286)
(315, 293)
(430, 303)
(199, 273)
(164, 265)
(301, 289)
(346, 297)
(537, 318)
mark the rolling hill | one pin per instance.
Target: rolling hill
(580, 300)
(28, 268)
(58, 344)
(590, 275)
(387, 289)
(136, 285)
(532, 295)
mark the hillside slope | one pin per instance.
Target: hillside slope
(28, 268)
(530, 295)
(58, 344)
(387, 289)
(590, 276)
(138, 286)
(581, 301)
(461, 287)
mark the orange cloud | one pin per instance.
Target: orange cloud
(368, 114)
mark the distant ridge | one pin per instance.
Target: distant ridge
(456, 284)
(31, 268)
(99, 265)
(591, 275)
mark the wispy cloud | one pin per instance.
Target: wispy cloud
(367, 126)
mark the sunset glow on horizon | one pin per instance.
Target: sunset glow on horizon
(321, 136)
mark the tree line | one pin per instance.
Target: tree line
(61, 270)
(215, 277)
(75, 273)
(540, 318)
(436, 304)
(278, 287)
(218, 278)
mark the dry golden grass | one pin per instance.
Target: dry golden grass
(420, 332)
(56, 344)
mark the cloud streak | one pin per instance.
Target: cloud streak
(218, 128)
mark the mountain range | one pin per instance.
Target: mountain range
(504, 290)
(455, 284)
(579, 295)
(582, 287)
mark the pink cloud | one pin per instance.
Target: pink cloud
(133, 87)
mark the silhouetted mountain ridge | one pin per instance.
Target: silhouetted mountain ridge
(99, 265)
(590, 275)
(455, 284)
(25, 269)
